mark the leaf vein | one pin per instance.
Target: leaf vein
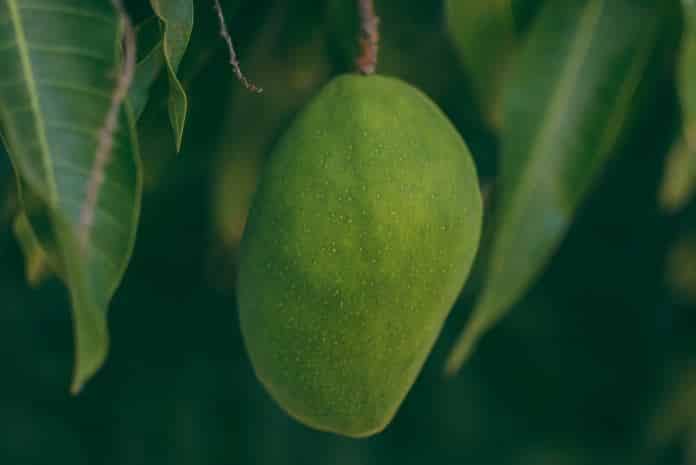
(67, 50)
(68, 86)
(80, 129)
(68, 10)
(27, 69)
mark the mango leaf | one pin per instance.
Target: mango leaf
(150, 63)
(679, 183)
(486, 35)
(687, 65)
(524, 11)
(36, 260)
(676, 413)
(61, 62)
(177, 19)
(564, 112)
(483, 32)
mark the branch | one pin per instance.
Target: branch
(233, 54)
(106, 133)
(369, 38)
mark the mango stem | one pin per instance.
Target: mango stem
(366, 62)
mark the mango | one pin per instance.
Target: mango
(360, 236)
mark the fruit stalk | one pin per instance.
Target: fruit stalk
(369, 38)
(234, 61)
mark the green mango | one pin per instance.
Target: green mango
(360, 236)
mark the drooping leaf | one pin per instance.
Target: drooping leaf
(177, 19)
(150, 63)
(564, 111)
(679, 183)
(61, 61)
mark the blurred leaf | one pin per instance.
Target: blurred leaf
(487, 35)
(687, 66)
(7, 201)
(564, 113)
(177, 20)
(484, 34)
(681, 267)
(677, 414)
(524, 11)
(150, 62)
(679, 183)
(60, 63)
(36, 267)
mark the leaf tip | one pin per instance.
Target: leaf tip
(76, 387)
(88, 362)
(461, 352)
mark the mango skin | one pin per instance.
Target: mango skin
(361, 234)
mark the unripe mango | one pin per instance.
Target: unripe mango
(360, 237)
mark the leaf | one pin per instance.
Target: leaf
(676, 413)
(32, 228)
(150, 63)
(524, 11)
(60, 64)
(564, 113)
(483, 32)
(486, 35)
(687, 65)
(679, 183)
(36, 261)
(177, 20)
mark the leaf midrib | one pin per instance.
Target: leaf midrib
(28, 72)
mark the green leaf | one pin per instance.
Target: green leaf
(564, 112)
(679, 183)
(676, 413)
(60, 66)
(687, 65)
(36, 260)
(484, 35)
(150, 63)
(177, 20)
(32, 228)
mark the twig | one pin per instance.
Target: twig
(369, 38)
(106, 133)
(234, 61)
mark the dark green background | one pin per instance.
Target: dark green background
(575, 375)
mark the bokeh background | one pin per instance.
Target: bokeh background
(597, 365)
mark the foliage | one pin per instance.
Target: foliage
(583, 287)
